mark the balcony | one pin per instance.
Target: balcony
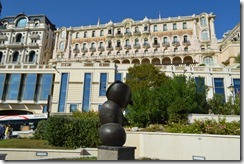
(84, 50)
(136, 46)
(118, 34)
(118, 48)
(165, 44)
(92, 49)
(145, 32)
(146, 45)
(76, 50)
(128, 47)
(3, 37)
(101, 49)
(127, 33)
(137, 33)
(34, 36)
(33, 45)
(176, 43)
(109, 35)
(110, 49)
(186, 43)
(156, 45)
(15, 45)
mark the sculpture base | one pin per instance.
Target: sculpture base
(116, 153)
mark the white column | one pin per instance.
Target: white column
(194, 29)
(212, 28)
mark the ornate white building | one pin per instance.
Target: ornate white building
(177, 40)
(76, 65)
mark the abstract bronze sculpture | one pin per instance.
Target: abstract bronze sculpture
(111, 132)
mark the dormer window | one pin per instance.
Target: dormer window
(21, 23)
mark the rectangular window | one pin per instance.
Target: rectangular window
(174, 26)
(13, 88)
(29, 86)
(184, 25)
(219, 87)
(118, 76)
(62, 93)
(86, 92)
(46, 86)
(2, 82)
(73, 107)
(237, 85)
(200, 84)
(165, 27)
(103, 84)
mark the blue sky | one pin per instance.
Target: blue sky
(79, 12)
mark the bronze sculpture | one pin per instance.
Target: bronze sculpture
(111, 132)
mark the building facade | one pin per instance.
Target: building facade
(26, 45)
(76, 65)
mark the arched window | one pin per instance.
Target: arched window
(145, 41)
(93, 45)
(185, 38)
(165, 40)
(84, 46)
(136, 41)
(118, 43)
(76, 46)
(15, 57)
(63, 33)
(18, 38)
(204, 35)
(208, 60)
(21, 23)
(203, 21)
(100, 44)
(61, 46)
(145, 28)
(109, 44)
(155, 41)
(32, 56)
(127, 42)
(175, 39)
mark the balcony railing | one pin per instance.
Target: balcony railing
(110, 49)
(75, 50)
(34, 36)
(100, 48)
(92, 49)
(118, 48)
(128, 47)
(146, 45)
(137, 46)
(165, 44)
(176, 43)
(119, 34)
(186, 43)
(84, 50)
(137, 33)
(127, 33)
(156, 45)
(3, 37)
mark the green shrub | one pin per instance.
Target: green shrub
(40, 132)
(220, 127)
(72, 132)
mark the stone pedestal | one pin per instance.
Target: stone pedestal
(116, 153)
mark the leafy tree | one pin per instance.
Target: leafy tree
(144, 76)
(158, 98)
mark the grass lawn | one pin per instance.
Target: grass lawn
(26, 143)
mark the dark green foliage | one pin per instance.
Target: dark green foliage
(216, 105)
(40, 132)
(207, 127)
(159, 99)
(73, 132)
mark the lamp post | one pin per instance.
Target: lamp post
(231, 88)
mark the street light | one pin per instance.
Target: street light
(231, 88)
